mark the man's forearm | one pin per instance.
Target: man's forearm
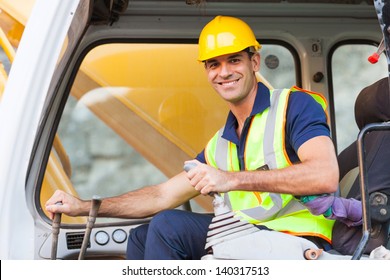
(297, 179)
(141, 203)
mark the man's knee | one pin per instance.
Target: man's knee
(136, 242)
(138, 234)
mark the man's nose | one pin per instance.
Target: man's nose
(225, 70)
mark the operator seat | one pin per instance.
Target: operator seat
(371, 106)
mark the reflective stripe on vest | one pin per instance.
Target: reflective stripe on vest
(271, 209)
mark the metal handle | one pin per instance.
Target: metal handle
(55, 232)
(96, 201)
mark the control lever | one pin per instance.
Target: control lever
(95, 204)
(55, 230)
(219, 204)
(225, 225)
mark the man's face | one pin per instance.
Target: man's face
(233, 75)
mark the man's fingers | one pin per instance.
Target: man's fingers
(57, 197)
(58, 207)
(53, 208)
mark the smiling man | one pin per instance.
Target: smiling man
(274, 147)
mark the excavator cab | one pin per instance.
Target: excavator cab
(107, 96)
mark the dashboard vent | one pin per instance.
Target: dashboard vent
(74, 240)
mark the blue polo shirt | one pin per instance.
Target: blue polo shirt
(305, 119)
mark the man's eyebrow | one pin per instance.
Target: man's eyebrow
(235, 55)
(229, 57)
(210, 60)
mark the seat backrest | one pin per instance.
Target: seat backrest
(372, 106)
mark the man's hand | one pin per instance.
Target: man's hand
(70, 206)
(207, 179)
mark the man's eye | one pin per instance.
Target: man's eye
(212, 65)
(234, 60)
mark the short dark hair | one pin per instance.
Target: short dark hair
(251, 51)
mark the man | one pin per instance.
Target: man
(275, 145)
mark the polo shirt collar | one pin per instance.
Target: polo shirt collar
(262, 102)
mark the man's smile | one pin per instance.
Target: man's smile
(228, 83)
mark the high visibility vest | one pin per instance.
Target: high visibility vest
(281, 212)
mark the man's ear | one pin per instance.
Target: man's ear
(256, 62)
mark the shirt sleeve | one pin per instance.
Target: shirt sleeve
(201, 157)
(305, 119)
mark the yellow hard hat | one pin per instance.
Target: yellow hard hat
(224, 35)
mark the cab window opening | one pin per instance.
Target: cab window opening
(124, 129)
(346, 81)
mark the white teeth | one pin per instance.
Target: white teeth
(229, 83)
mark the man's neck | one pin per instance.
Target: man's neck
(243, 110)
